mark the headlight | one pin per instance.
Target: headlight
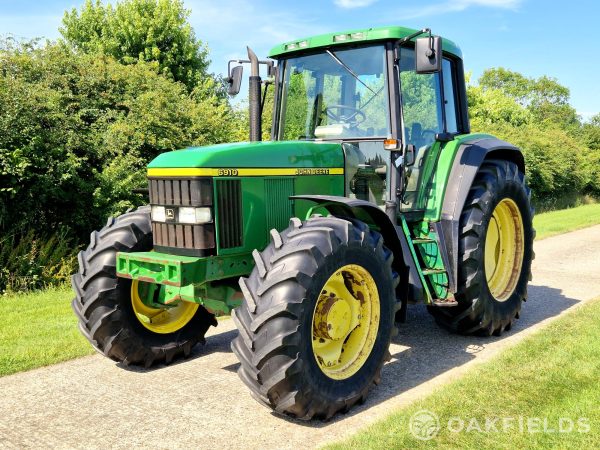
(158, 214)
(194, 215)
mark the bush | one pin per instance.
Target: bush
(30, 262)
(76, 132)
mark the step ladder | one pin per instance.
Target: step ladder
(427, 272)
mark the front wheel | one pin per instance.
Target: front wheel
(495, 252)
(317, 317)
(113, 314)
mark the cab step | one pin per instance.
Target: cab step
(445, 302)
(427, 272)
(423, 241)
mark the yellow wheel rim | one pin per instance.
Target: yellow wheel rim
(504, 249)
(161, 320)
(345, 322)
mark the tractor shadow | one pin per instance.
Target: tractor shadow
(215, 343)
(422, 350)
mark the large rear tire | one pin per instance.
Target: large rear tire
(495, 253)
(317, 317)
(110, 310)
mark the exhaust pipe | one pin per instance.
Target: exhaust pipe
(254, 98)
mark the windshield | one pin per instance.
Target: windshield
(337, 94)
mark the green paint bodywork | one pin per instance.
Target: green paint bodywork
(436, 169)
(292, 154)
(187, 278)
(368, 35)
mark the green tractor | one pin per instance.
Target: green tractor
(371, 194)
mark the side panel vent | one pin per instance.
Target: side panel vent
(279, 207)
(230, 219)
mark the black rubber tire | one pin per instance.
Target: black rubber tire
(103, 300)
(274, 345)
(478, 312)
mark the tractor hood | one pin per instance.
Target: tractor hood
(269, 154)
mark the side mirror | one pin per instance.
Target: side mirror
(409, 154)
(235, 80)
(428, 55)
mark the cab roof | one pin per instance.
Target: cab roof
(353, 37)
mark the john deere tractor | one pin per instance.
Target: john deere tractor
(371, 194)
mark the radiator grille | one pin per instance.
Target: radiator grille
(182, 238)
(230, 220)
(194, 192)
(279, 207)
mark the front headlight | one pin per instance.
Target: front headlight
(194, 215)
(158, 214)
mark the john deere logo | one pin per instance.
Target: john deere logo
(170, 214)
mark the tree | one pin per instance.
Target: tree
(545, 98)
(77, 131)
(140, 30)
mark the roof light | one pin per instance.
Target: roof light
(340, 38)
(303, 44)
(291, 46)
(357, 35)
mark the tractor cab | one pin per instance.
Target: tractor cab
(387, 94)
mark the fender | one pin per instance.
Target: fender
(467, 161)
(410, 286)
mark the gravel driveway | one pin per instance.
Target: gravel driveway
(92, 402)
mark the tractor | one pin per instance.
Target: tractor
(371, 194)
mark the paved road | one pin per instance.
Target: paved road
(200, 403)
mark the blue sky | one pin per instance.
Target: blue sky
(534, 37)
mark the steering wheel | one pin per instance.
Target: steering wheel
(355, 117)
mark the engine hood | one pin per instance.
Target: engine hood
(268, 154)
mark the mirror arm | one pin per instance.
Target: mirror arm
(405, 39)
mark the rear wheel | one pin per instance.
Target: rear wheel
(317, 317)
(114, 313)
(495, 252)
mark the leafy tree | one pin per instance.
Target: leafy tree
(77, 130)
(140, 30)
(545, 98)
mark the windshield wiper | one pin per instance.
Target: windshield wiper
(341, 63)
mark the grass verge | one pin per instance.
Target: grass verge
(38, 329)
(549, 379)
(556, 222)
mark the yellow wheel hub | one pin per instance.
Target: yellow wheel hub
(160, 320)
(504, 243)
(345, 322)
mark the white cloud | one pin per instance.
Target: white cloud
(350, 4)
(456, 6)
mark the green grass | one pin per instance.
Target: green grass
(556, 222)
(550, 375)
(38, 329)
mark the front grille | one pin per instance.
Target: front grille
(279, 207)
(230, 220)
(191, 192)
(184, 239)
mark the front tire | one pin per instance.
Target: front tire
(317, 317)
(495, 253)
(110, 310)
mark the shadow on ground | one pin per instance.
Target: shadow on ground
(422, 349)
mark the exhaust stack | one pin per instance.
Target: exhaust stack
(254, 93)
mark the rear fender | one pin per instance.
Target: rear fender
(467, 161)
